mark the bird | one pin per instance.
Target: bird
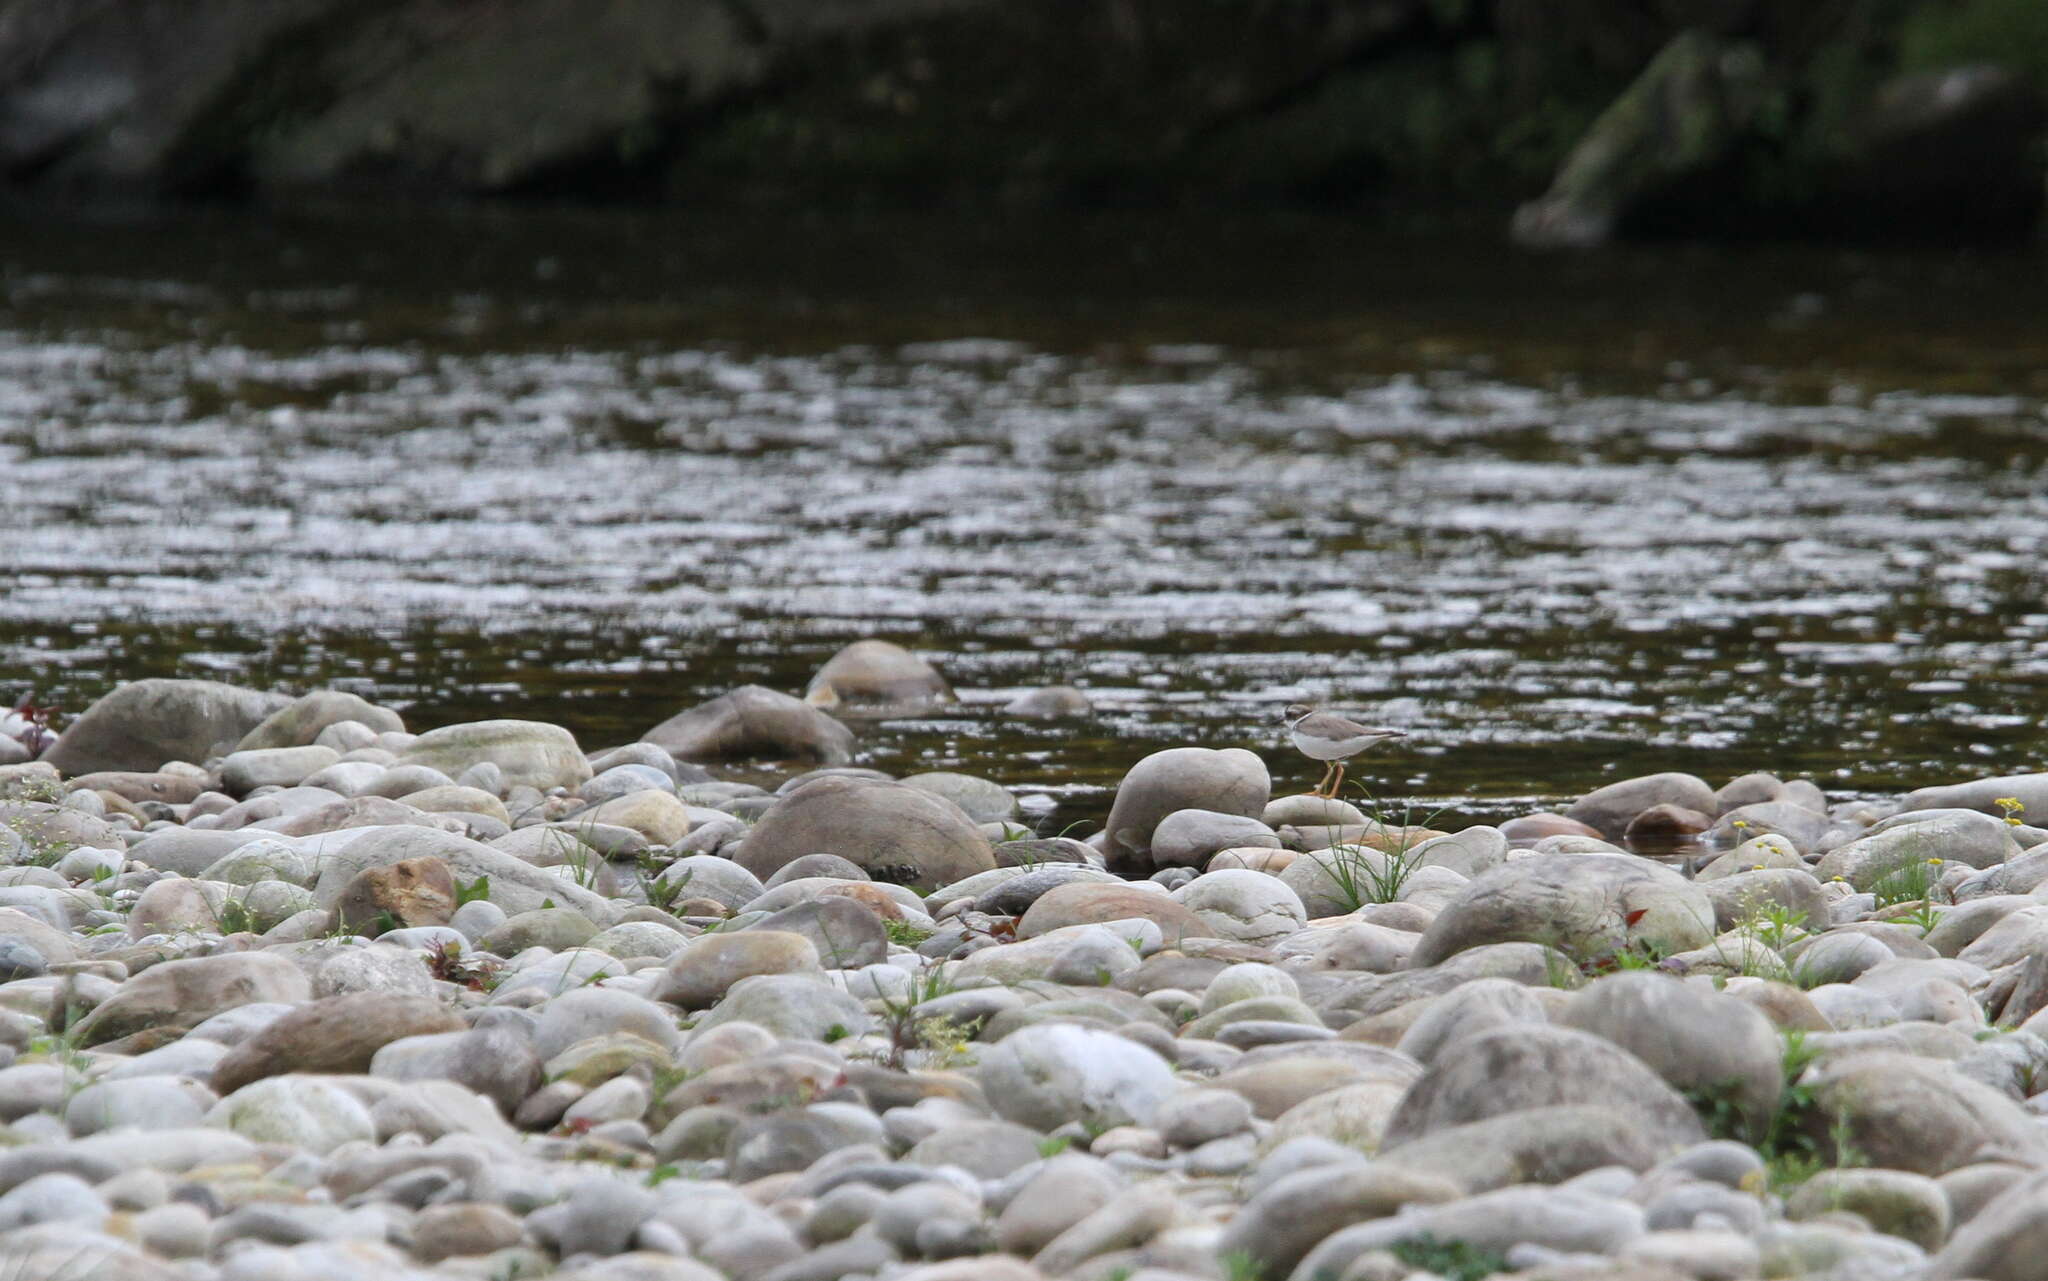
(1326, 736)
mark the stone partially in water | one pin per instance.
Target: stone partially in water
(896, 833)
(752, 721)
(876, 677)
(142, 724)
(529, 753)
(1610, 809)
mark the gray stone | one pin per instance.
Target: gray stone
(980, 799)
(1973, 839)
(1051, 1073)
(302, 721)
(1521, 1067)
(1232, 781)
(845, 933)
(1190, 838)
(1609, 809)
(182, 993)
(2004, 1241)
(307, 1112)
(896, 833)
(876, 677)
(143, 724)
(53, 1198)
(1248, 906)
(529, 753)
(752, 721)
(245, 771)
(790, 1005)
(1586, 905)
(1704, 1044)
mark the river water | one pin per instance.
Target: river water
(1565, 519)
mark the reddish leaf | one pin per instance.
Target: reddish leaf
(1631, 918)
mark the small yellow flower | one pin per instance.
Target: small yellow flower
(2012, 807)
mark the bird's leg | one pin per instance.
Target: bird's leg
(1338, 781)
(1328, 766)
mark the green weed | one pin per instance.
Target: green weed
(1455, 1260)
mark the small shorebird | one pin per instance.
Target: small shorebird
(1325, 736)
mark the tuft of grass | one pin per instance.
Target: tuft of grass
(1054, 1145)
(477, 891)
(1455, 1260)
(904, 933)
(1790, 1152)
(1239, 1265)
(1908, 884)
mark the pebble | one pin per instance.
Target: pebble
(760, 1054)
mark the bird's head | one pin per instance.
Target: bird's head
(1294, 712)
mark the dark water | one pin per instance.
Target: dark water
(1565, 518)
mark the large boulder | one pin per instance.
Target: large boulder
(876, 677)
(185, 993)
(894, 833)
(527, 753)
(1518, 1067)
(1610, 809)
(143, 724)
(1588, 906)
(752, 721)
(1230, 782)
(300, 721)
(1704, 1044)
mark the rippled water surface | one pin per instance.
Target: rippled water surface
(1565, 519)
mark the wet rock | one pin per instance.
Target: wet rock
(1050, 703)
(876, 677)
(1665, 824)
(1232, 782)
(142, 724)
(896, 833)
(752, 721)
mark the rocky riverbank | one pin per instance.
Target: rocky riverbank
(1878, 117)
(293, 992)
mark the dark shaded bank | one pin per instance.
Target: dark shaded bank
(1570, 120)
